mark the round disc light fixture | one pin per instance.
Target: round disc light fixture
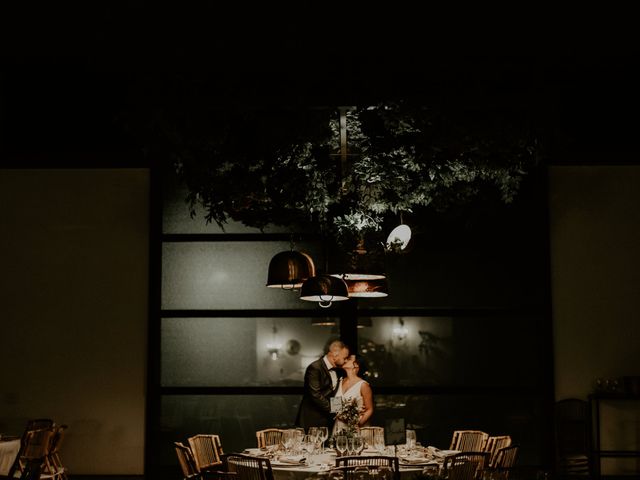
(399, 237)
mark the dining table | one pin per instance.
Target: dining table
(9, 448)
(299, 467)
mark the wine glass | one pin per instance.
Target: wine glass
(324, 434)
(358, 444)
(341, 444)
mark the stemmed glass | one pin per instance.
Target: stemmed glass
(341, 444)
(324, 434)
(358, 444)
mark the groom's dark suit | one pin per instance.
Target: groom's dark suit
(315, 409)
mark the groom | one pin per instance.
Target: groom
(320, 384)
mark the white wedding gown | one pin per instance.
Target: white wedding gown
(352, 392)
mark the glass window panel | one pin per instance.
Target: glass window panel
(468, 275)
(435, 417)
(236, 418)
(240, 351)
(487, 351)
(226, 275)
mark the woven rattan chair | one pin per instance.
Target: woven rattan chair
(468, 440)
(32, 456)
(206, 450)
(494, 444)
(52, 462)
(248, 467)
(368, 433)
(186, 461)
(269, 436)
(503, 464)
(465, 465)
(32, 425)
(371, 461)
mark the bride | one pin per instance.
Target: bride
(352, 386)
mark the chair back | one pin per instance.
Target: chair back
(468, 440)
(39, 423)
(505, 460)
(269, 436)
(371, 461)
(53, 464)
(248, 467)
(32, 425)
(369, 433)
(206, 450)
(37, 444)
(494, 444)
(465, 465)
(186, 460)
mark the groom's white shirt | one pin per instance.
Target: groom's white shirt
(334, 375)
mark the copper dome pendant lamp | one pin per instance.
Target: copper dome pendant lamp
(324, 289)
(289, 269)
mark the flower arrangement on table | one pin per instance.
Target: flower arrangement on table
(349, 413)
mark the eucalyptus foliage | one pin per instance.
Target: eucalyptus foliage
(284, 167)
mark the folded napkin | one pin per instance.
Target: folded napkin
(292, 459)
(436, 452)
(413, 460)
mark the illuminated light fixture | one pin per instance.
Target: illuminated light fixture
(323, 322)
(324, 289)
(399, 237)
(368, 288)
(274, 346)
(400, 331)
(288, 270)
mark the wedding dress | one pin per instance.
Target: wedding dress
(352, 392)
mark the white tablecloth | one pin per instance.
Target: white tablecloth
(324, 462)
(8, 451)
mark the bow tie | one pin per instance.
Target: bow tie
(334, 369)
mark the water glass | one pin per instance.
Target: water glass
(411, 440)
(378, 442)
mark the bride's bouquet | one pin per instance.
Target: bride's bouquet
(349, 413)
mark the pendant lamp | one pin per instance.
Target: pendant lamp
(366, 287)
(324, 289)
(288, 270)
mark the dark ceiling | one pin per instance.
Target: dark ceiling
(70, 76)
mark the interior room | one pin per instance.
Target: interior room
(151, 177)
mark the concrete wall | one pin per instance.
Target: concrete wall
(595, 259)
(73, 310)
(595, 264)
